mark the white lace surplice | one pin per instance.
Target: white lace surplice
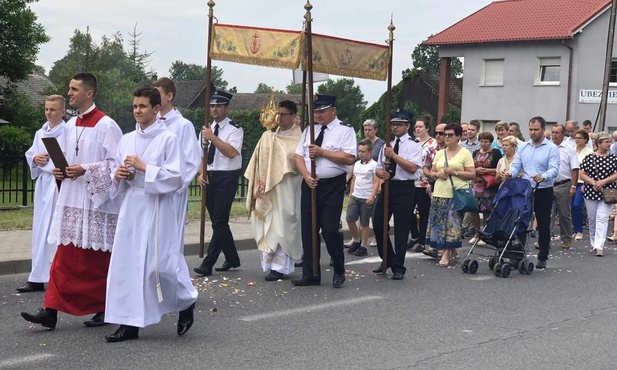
(84, 215)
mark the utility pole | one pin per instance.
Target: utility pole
(607, 69)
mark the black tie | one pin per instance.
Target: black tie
(319, 139)
(212, 148)
(392, 163)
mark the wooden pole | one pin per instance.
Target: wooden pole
(303, 119)
(311, 117)
(386, 188)
(204, 158)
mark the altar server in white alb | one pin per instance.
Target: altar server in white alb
(45, 193)
(146, 278)
(185, 131)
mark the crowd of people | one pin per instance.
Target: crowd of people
(108, 229)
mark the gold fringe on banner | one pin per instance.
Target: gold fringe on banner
(258, 46)
(344, 57)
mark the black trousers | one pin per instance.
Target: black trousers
(400, 205)
(542, 207)
(222, 187)
(330, 193)
(422, 201)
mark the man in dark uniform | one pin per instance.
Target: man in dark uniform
(224, 164)
(405, 159)
(334, 151)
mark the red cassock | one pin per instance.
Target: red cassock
(78, 280)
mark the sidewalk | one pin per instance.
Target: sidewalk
(16, 246)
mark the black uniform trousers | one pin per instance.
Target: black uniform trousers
(542, 207)
(400, 205)
(330, 194)
(422, 201)
(221, 191)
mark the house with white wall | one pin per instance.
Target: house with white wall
(525, 58)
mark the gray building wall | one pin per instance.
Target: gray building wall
(520, 98)
(588, 70)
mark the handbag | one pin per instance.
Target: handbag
(463, 198)
(609, 194)
(488, 179)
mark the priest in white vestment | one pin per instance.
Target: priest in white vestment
(45, 193)
(273, 198)
(144, 281)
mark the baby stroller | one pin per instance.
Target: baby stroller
(511, 216)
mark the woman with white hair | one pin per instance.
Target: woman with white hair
(598, 171)
(370, 132)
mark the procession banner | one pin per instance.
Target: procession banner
(350, 58)
(259, 46)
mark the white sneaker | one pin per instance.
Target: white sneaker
(481, 242)
(473, 240)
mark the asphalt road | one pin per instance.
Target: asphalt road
(436, 318)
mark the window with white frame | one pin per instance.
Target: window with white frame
(492, 72)
(549, 71)
(613, 76)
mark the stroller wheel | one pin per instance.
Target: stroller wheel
(497, 270)
(465, 266)
(522, 267)
(491, 263)
(529, 268)
(473, 267)
(505, 270)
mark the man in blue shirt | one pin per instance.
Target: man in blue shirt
(539, 161)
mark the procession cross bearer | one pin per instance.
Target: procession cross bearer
(335, 151)
(274, 195)
(148, 276)
(85, 218)
(45, 193)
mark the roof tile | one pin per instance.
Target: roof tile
(519, 20)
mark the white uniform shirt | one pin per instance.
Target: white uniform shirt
(408, 149)
(363, 174)
(338, 137)
(232, 134)
(568, 161)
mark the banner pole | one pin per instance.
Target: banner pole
(386, 188)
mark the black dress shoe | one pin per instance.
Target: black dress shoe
(541, 265)
(123, 333)
(202, 270)
(185, 320)
(299, 264)
(31, 287)
(380, 269)
(96, 320)
(398, 276)
(226, 266)
(274, 276)
(338, 280)
(306, 281)
(45, 316)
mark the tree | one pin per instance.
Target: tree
(350, 101)
(294, 88)
(114, 67)
(426, 58)
(20, 38)
(263, 88)
(140, 60)
(180, 71)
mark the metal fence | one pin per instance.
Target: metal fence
(18, 188)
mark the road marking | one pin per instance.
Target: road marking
(480, 278)
(317, 307)
(378, 259)
(25, 360)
